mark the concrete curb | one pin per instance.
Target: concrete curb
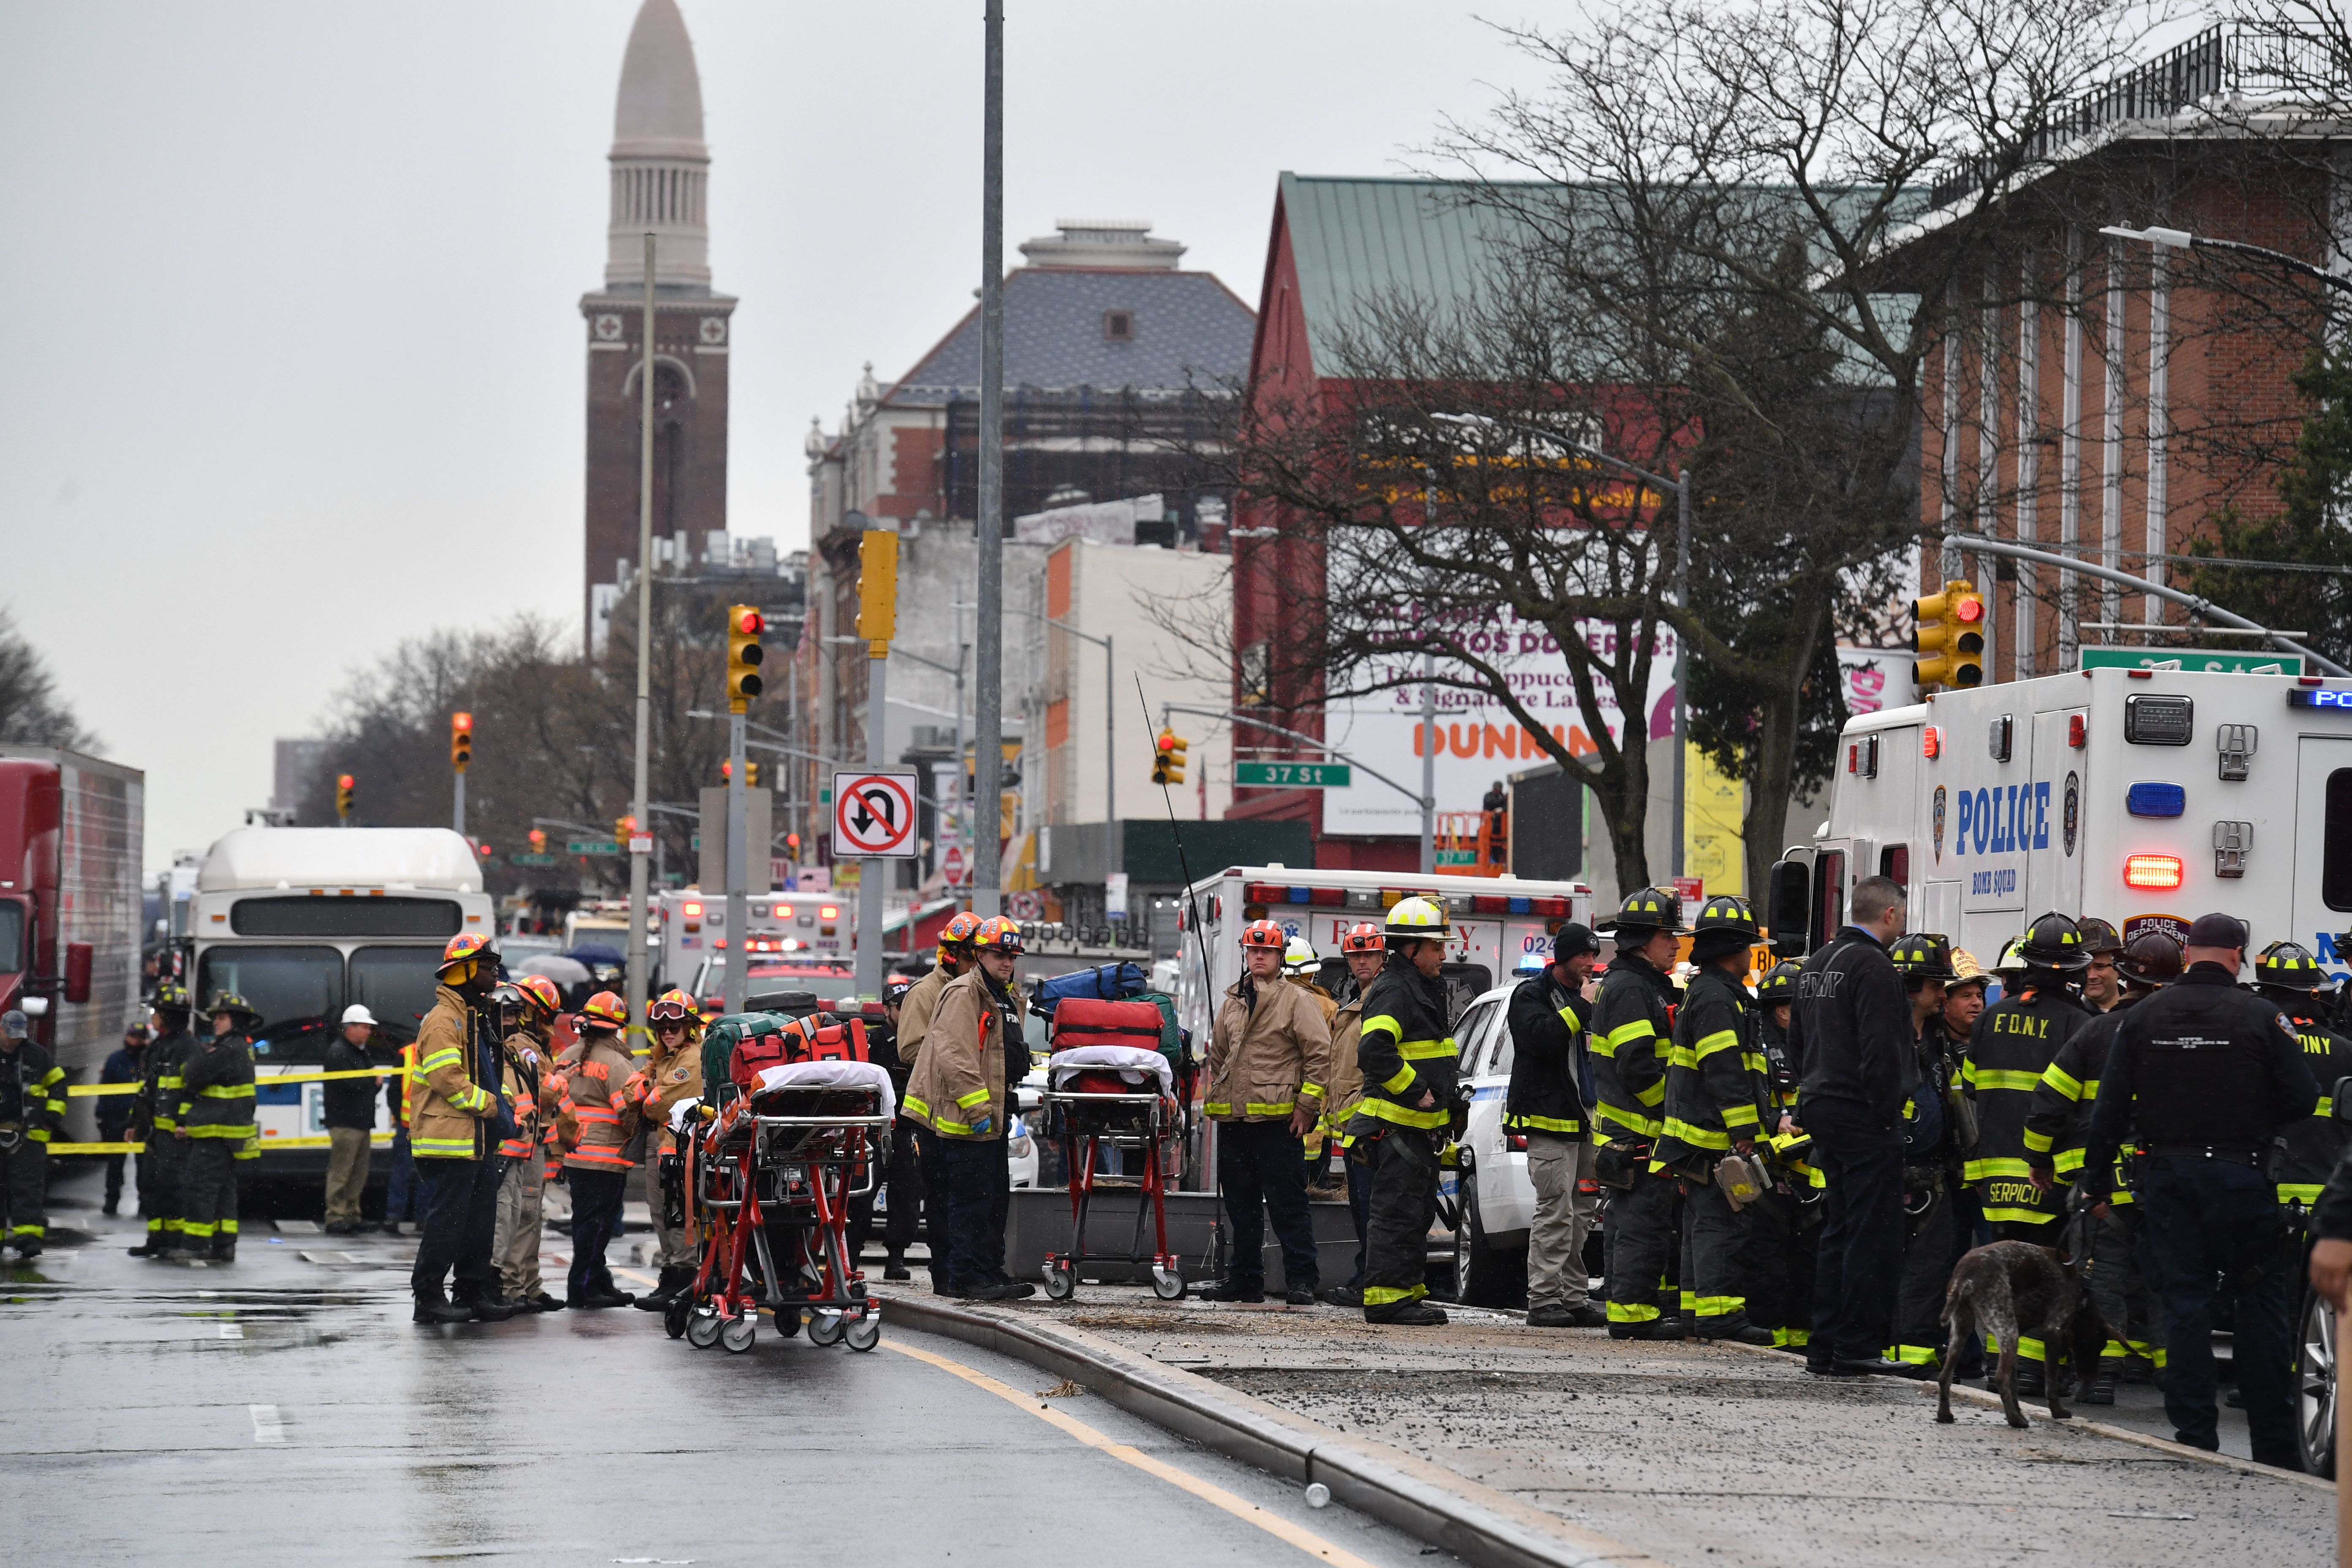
(1429, 1502)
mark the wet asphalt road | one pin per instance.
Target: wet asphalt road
(284, 1409)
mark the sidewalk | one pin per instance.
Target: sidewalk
(1704, 1454)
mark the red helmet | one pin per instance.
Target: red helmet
(463, 947)
(673, 1007)
(997, 934)
(957, 933)
(1363, 937)
(606, 1009)
(1265, 934)
(539, 996)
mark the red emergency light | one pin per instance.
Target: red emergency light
(2078, 731)
(1931, 743)
(829, 912)
(692, 910)
(2162, 871)
(783, 911)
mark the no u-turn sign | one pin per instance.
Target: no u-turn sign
(874, 814)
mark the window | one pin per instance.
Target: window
(12, 936)
(347, 917)
(1895, 862)
(1828, 895)
(2335, 851)
(1470, 1038)
(295, 989)
(1118, 326)
(397, 984)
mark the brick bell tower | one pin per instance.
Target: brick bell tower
(660, 173)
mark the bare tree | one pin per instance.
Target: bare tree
(31, 711)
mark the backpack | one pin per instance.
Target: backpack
(778, 1041)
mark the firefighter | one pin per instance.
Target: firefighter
(596, 1107)
(1364, 950)
(113, 1117)
(214, 1119)
(2009, 1050)
(1303, 967)
(2285, 973)
(457, 1119)
(1717, 1097)
(32, 1109)
(673, 1074)
(903, 1175)
(1269, 1058)
(1408, 1059)
(961, 1091)
(2102, 982)
(954, 960)
(1545, 1105)
(1633, 1030)
(156, 1120)
(1786, 1220)
(529, 1084)
(2057, 1128)
(1925, 961)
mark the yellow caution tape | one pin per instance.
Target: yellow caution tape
(85, 1091)
(379, 1140)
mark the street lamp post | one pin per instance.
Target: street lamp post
(638, 975)
(2181, 239)
(987, 867)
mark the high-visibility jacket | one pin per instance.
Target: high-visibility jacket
(597, 1104)
(1547, 1024)
(35, 1090)
(1632, 1032)
(916, 1010)
(1405, 1050)
(2013, 1043)
(671, 1078)
(1269, 1048)
(958, 1088)
(216, 1091)
(450, 1109)
(1717, 1092)
(2309, 1148)
(159, 1108)
(2058, 1122)
(526, 1075)
(1346, 1090)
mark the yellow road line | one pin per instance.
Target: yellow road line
(1306, 1540)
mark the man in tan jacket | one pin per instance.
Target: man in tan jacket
(455, 1117)
(1269, 1064)
(961, 1094)
(923, 999)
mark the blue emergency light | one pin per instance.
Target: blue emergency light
(2156, 800)
(2318, 697)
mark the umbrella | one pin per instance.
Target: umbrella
(596, 954)
(564, 971)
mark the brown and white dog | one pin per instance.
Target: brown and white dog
(2013, 1290)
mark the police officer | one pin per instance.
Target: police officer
(1545, 1105)
(1632, 1032)
(1717, 1097)
(114, 1114)
(2057, 1129)
(2009, 1050)
(216, 1120)
(32, 1109)
(1925, 963)
(1408, 1056)
(2203, 1075)
(1785, 1221)
(156, 1120)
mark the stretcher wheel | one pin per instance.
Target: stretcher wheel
(825, 1328)
(865, 1333)
(702, 1328)
(739, 1333)
(676, 1315)
(1061, 1281)
(1168, 1284)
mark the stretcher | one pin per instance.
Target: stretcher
(1104, 1097)
(770, 1176)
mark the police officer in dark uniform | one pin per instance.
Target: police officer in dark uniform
(2202, 1076)
(155, 1121)
(1631, 1036)
(2057, 1131)
(2011, 1048)
(1925, 961)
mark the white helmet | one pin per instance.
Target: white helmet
(1300, 957)
(355, 1013)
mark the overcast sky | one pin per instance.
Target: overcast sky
(296, 366)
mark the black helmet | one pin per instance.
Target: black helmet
(2152, 959)
(236, 1006)
(1780, 984)
(2098, 936)
(2288, 967)
(1922, 955)
(1644, 913)
(2055, 942)
(1725, 925)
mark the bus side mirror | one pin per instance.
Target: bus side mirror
(2342, 1108)
(78, 959)
(1790, 912)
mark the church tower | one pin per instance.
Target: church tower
(660, 173)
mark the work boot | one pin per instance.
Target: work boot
(597, 1298)
(1655, 1329)
(339, 1227)
(28, 1250)
(2030, 1383)
(2103, 1383)
(673, 1280)
(432, 1307)
(155, 1245)
(1343, 1295)
(1746, 1334)
(1881, 1366)
(1299, 1297)
(895, 1272)
(1406, 1315)
(543, 1302)
(491, 1308)
(224, 1249)
(1228, 1290)
(109, 1207)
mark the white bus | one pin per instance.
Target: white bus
(304, 921)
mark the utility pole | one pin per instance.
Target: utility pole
(988, 674)
(1428, 765)
(737, 972)
(874, 877)
(1682, 667)
(642, 818)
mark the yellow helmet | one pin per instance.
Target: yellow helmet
(1417, 917)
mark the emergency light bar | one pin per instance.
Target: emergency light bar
(1340, 898)
(2156, 800)
(2319, 697)
(2152, 871)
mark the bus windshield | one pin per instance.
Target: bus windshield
(298, 992)
(397, 984)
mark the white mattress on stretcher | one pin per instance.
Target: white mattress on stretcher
(1130, 1062)
(831, 1075)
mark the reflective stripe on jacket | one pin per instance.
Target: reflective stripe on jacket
(957, 1089)
(2013, 1045)
(447, 1105)
(1546, 1021)
(1346, 1090)
(916, 1010)
(1717, 1088)
(1404, 1051)
(595, 1108)
(217, 1090)
(1633, 1030)
(1269, 1048)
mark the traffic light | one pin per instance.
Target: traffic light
(1168, 759)
(1948, 636)
(750, 773)
(792, 845)
(539, 840)
(744, 625)
(624, 829)
(461, 741)
(878, 589)
(346, 791)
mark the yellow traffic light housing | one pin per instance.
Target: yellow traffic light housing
(539, 840)
(624, 829)
(878, 590)
(1168, 758)
(461, 741)
(346, 795)
(1948, 636)
(744, 625)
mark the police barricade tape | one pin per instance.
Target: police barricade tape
(84, 1090)
(378, 1140)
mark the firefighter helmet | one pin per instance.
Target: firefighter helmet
(506, 999)
(2152, 959)
(1725, 925)
(2053, 941)
(2011, 960)
(896, 987)
(1645, 913)
(956, 935)
(539, 996)
(1265, 934)
(1966, 970)
(464, 948)
(170, 996)
(236, 1007)
(997, 934)
(2288, 967)
(1418, 917)
(1299, 957)
(2098, 936)
(1363, 937)
(673, 1007)
(1922, 955)
(606, 1010)
(1780, 984)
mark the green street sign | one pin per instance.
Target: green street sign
(1293, 775)
(527, 859)
(592, 846)
(2193, 661)
(1457, 856)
